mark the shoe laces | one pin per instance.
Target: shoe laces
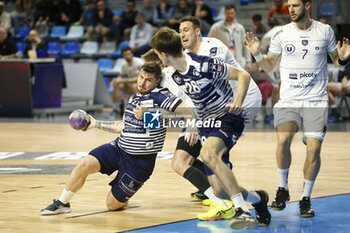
(305, 203)
(281, 194)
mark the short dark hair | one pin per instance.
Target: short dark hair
(126, 49)
(152, 68)
(256, 17)
(150, 56)
(229, 7)
(194, 20)
(168, 41)
(306, 1)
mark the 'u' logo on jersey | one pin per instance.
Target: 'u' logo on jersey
(289, 48)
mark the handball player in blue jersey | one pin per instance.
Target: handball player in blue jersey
(133, 153)
(205, 81)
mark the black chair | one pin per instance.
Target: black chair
(344, 100)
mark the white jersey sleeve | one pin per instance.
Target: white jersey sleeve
(213, 47)
(169, 83)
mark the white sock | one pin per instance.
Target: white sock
(253, 197)
(307, 189)
(66, 196)
(210, 194)
(238, 201)
(283, 175)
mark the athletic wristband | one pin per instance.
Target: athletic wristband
(259, 57)
(342, 63)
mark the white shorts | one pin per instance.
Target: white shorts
(309, 115)
(251, 107)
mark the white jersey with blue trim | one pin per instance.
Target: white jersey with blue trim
(135, 139)
(213, 47)
(205, 82)
(169, 83)
(303, 66)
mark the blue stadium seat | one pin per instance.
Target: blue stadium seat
(22, 32)
(54, 48)
(58, 31)
(70, 48)
(104, 64)
(21, 47)
(119, 52)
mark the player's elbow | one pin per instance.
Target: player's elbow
(244, 76)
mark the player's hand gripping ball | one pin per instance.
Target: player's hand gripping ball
(79, 119)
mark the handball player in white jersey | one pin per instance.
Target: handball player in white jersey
(302, 46)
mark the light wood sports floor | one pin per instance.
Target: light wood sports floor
(164, 198)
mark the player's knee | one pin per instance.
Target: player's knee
(83, 167)
(181, 161)
(88, 165)
(177, 165)
(113, 204)
(209, 156)
(313, 148)
(285, 141)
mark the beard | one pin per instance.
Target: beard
(299, 17)
(143, 92)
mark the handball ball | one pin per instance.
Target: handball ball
(79, 119)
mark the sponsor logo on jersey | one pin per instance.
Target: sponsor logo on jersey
(213, 51)
(177, 79)
(289, 48)
(304, 42)
(196, 73)
(277, 33)
(215, 68)
(293, 76)
(147, 103)
(308, 75)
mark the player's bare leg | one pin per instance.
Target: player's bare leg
(312, 166)
(75, 182)
(285, 135)
(211, 152)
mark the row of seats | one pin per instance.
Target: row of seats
(73, 49)
(76, 32)
(111, 69)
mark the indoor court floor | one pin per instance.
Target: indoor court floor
(36, 156)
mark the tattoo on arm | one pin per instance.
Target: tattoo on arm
(109, 126)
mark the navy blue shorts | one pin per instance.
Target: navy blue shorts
(230, 131)
(132, 171)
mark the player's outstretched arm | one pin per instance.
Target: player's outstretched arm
(266, 62)
(109, 126)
